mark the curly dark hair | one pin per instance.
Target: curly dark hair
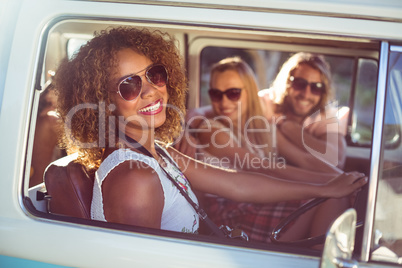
(83, 88)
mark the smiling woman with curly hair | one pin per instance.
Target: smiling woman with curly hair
(123, 91)
(85, 80)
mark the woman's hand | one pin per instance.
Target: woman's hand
(344, 184)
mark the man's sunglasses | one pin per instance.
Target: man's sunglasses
(300, 84)
(216, 95)
(130, 87)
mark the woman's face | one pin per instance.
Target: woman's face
(304, 101)
(235, 110)
(148, 110)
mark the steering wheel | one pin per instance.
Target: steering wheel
(276, 233)
(284, 224)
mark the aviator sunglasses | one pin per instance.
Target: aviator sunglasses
(130, 87)
(300, 84)
(216, 95)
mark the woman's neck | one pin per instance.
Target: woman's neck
(145, 138)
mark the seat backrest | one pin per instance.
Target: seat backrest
(69, 187)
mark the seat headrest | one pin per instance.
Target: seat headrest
(70, 187)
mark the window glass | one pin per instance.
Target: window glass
(74, 44)
(363, 112)
(388, 216)
(266, 64)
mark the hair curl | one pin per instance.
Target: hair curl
(83, 87)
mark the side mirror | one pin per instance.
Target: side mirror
(340, 242)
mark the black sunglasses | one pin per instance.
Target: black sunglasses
(216, 95)
(299, 84)
(130, 87)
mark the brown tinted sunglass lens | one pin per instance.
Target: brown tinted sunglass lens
(130, 87)
(157, 75)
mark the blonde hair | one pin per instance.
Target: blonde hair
(281, 83)
(254, 108)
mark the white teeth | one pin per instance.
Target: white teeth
(304, 103)
(151, 108)
(225, 111)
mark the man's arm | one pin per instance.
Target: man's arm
(320, 153)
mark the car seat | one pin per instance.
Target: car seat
(69, 188)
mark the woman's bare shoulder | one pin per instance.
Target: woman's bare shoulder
(132, 173)
(133, 189)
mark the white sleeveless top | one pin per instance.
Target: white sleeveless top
(177, 215)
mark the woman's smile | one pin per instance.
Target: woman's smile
(153, 108)
(148, 109)
(235, 110)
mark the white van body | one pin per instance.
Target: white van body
(33, 39)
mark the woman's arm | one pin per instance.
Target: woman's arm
(222, 146)
(259, 188)
(133, 196)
